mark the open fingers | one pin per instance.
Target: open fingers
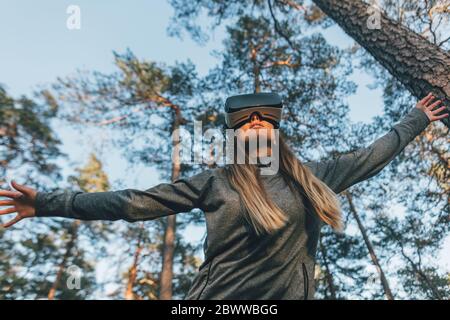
(13, 221)
(10, 194)
(427, 99)
(441, 116)
(20, 187)
(434, 105)
(6, 202)
(8, 210)
(438, 110)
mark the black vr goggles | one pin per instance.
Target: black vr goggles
(239, 108)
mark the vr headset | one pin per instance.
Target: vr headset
(239, 108)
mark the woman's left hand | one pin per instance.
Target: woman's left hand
(428, 106)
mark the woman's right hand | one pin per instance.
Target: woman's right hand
(21, 201)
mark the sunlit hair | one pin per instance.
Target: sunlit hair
(262, 213)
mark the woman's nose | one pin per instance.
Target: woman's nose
(254, 117)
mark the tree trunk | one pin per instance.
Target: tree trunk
(373, 256)
(256, 69)
(435, 292)
(328, 276)
(132, 272)
(169, 234)
(417, 63)
(73, 233)
(416, 267)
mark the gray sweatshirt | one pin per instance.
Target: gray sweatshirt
(238, 263)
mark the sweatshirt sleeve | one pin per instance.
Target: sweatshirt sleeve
(131, 205)
(350, 168)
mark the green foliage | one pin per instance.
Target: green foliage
(26, 138)
(271, 45)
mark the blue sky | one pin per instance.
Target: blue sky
(37, 47)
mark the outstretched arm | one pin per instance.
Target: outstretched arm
(348, 169)
(131, 205)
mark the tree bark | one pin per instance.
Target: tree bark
(166, 276)
(417, 63)
(373, 256)
(256, 69)
(132, 272)
(73, 233)
(328, 276)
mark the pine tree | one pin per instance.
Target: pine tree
(28, 146)
(90, 178)
(418, 64)
(281, 13)
(148, 101)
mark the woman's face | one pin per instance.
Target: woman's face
(256, 123)
(254, 128)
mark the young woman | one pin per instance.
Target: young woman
(262, 230)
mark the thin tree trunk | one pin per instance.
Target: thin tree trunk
(417, 269)
(440, 170)
(256, 69)
(132, 273)
(166, 276)
(373, 256)
(424, 277)
(257, 84)
(328, 276)
(73, 233)
(417, 63)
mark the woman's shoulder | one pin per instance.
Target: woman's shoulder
(313, 166)
(216, 175)
(205, 176)
(318, 168)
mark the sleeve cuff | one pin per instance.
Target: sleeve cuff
(412, 124)
(38, 204)
(54, 204)
(421, 120)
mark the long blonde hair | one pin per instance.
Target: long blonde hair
(263, 214)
